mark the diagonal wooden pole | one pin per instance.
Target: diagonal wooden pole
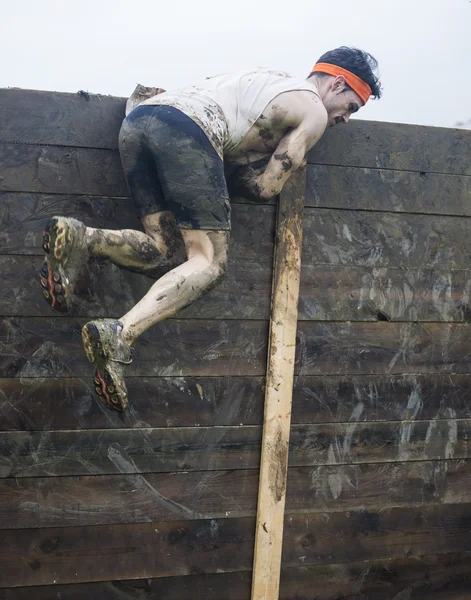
(279, 391)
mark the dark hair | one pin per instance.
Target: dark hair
(360, 63)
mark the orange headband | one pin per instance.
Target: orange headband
(357, 84)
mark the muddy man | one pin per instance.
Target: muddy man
(173, 147)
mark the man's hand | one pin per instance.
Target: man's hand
(246, 181)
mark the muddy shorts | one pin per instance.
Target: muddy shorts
(170, 164)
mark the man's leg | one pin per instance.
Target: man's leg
(206, 265)
(137, 251)
(108, 342)
(68, 244)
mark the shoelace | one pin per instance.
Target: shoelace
(124, 362)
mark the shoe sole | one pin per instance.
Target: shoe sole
(107, 380)
(56, 288)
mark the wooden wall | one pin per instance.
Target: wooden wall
(160, 503)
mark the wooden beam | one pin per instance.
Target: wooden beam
(279, 392)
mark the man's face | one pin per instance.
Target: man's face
(341, 102)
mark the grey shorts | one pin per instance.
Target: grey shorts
(170, 164)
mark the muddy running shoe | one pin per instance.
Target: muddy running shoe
(66, 254)
(107, 350)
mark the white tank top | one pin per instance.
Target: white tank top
(226, 106)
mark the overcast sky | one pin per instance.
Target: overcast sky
(108, 46)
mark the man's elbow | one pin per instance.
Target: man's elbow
(267, 194)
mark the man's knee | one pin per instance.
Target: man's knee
(162, 228)
(212, 248)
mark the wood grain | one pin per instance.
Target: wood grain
(71, 555)
(146, 450)
(328, 293)
(336, 293)
(40, 347)
(278, 391)
(69, 403)
(61, 170)
(105, 290)
(82, 120)
(388, 190)
(379, 239)
(432, 577)
(373, 144)
(382, 348)
(135, 498)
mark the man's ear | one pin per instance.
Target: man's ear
(339, 84)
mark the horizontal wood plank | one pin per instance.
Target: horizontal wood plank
(331, 236)
(382, 348)
(140, 498)
(61, 170)
(387, 190)
(23, 217)
(378, 239)
(432, 577)
(69, 403)
(83, 120)
(336, 293)
(108, 291)
(146, 450)
(76, 554)
(40, 347)
(373, 144)
(331, 293)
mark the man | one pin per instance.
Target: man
(173, 147)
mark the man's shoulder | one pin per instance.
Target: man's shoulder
(303, 104)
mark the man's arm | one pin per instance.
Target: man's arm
(291, 152)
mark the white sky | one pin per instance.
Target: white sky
(107, 46)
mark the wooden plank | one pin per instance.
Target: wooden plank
(431, 577)
(378, 239)
(278, 391)
(37, 117)
(334, 237)
(77, 554)
(380, 397)
(23, 217)
(434, 577)
(382, 348)
(69, 403)
(243, 294)
(379, 145)
(147, 450)
(388, 190)
(364, 535)
(134, 498)
(336, 293)
(40, 347)
(53, 403)
(61, 170)
(327, 292)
